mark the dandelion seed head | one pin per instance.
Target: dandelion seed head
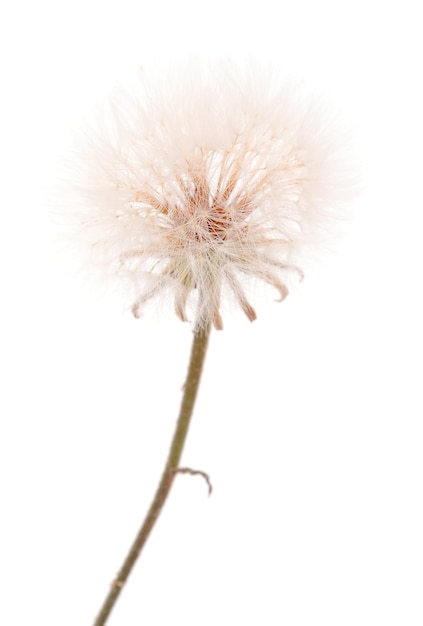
(193, 185)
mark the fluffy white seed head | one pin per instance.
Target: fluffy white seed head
(198, 181)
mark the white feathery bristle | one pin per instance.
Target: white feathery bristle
(197, 180)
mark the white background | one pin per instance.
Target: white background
(309, 421)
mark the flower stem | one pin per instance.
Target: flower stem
(198, 352)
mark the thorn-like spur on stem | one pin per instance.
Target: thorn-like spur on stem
(192, 472)
(190, 388)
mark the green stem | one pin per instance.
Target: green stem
(198, 352)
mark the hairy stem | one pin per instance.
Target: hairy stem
(198, 352)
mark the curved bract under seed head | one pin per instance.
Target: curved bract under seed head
(212, 176)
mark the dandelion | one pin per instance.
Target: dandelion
(195, 187)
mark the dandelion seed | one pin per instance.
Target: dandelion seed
(193, 187)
